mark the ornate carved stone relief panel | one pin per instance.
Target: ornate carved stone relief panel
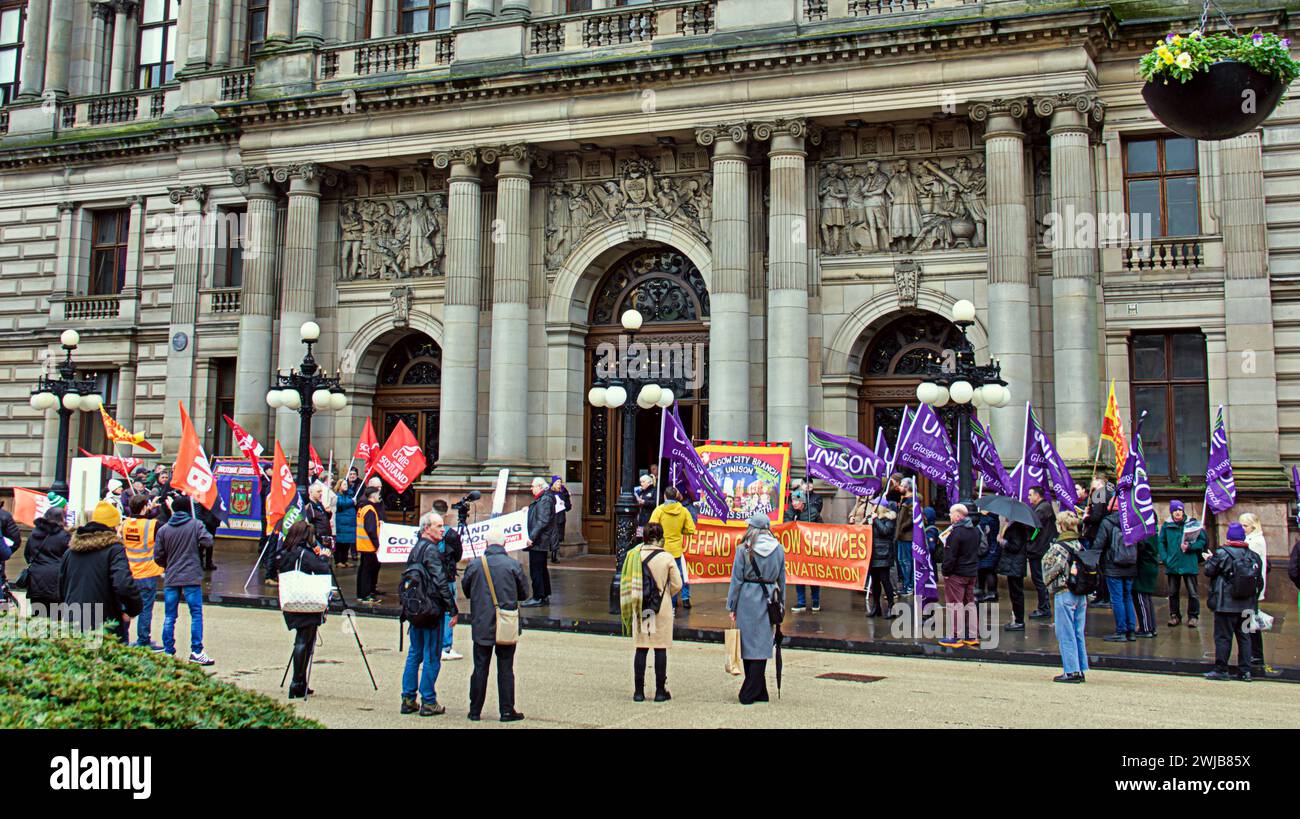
(392, 225)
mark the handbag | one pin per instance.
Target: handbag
(302, 593)
(1263, 621)
(733, 664)
(508, 633)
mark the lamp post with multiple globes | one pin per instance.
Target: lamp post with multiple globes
(306, 391)
(69, 394)
(968, 385)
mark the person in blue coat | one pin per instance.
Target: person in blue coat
(345, 525)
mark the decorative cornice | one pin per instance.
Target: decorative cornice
(981, 111)
(1087, 104)
(797, 127)
(181, 193)
(104, 11)
(68, 207)
(737, 132)
(465, 156)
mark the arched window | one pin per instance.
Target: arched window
(416, 361)
(902, 347)
(663, 284)
(409, 390)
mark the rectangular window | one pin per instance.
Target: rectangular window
(222, 443)
(90, 425)
(257, 11)
(419, 16)
(157, 44)
(578, 5)
(1160, 177)
(1170, 382)
(11, 49)
(228, 247)
(110, 234)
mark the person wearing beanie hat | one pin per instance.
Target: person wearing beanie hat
(95, 582)
(1179, 545)
(563, 503)
(114, 494)
(1236, 576)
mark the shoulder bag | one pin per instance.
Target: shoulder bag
(302, 593)
(507, 620)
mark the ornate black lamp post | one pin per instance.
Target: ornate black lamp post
(613, 392)
(968, 385)
(307, 390)
(69, 394)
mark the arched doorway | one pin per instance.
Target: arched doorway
(409, 389)
(669, 291)
(892, 366)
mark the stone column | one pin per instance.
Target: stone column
(58, 50)
(728, 291)
(787, 297)
(129, 305)
(458, 424)
(457, 12)
(1247, 307)
(1077, 380)
(221, 43)
(478, 10)
(257, 301)
(100, 14)
(126, 400)
(181, 56)
(119, 78)
(297, 279)
(1010, 258)
(516, 8)
(35, 37)
(279, 20)
(311, 21)
(508, 371)
(379, 20)
(185, 297)
(196, 17)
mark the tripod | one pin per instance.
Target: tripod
(347, 615)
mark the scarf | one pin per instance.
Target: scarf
(629, 590)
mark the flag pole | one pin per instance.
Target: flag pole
(659, 461)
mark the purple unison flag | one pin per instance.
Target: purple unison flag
(984, 457)
(675, 446)
(1137, 514)
(926, 449)
(1295, 478)
(1220, 488)
(843, 462)
(886, 457)
(926, 587)
(1043, 465)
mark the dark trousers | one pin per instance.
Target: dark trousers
(988, 582)
(880, 581)
(342, 552)
(1040, 588)
(754, 689)
(1257, 649)
(505, 678)
(303, 646)
(661, 669)
(270, 550)
(1016, 591)
(539, 574)
(205, 553)
(1226, 627)
(1177, 582)
(1146, 613)
(367, 574)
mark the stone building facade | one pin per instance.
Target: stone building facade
(465, 194)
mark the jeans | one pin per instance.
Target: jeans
(144, 622)
(446, 632)
(801, 600)
(1071, 618)
(1176, 583)
(903, 558)
(426, 648)
(171, 603)
(1121, 602)
(686, 587)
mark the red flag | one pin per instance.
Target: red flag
(316, 466)
(249, 446)
(283, 488)
(401, 460)
(122, 466)
(368, 447)
(192, 474)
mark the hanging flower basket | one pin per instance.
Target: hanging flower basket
(1216, 86)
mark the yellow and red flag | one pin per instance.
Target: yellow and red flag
(119, 434)
(192, 474)
(1112, 429)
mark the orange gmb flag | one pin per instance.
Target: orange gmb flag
(283, 488)
(1112, 429)
(192, 474)
(119, 434)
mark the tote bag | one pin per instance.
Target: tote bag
(302, 593)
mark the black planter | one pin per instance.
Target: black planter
(1214, 104)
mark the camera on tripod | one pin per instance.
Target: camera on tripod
(462, 505)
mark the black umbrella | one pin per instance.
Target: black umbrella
(1009, 508)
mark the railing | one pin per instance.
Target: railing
(109, 110)
(636, 26)
(385, 58)
(546, 38)
(113, 109)
(407, 53)
(815, 9)
(4, 122)
(862, 8)
(220, 301)
(84, 308)
(236, 85)
(1164, 255)
(695, 19)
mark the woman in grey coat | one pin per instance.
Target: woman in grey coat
(759, 569)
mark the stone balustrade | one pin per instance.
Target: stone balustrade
(236, 84)
(220, 301)
(114, 109)
(422, 52)
(91, 308)
(1164, 255)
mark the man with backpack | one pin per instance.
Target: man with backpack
(426, 596)
(1236, 579)
(1119, 567)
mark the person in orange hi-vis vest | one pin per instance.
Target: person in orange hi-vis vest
(369, 515)
(138, 532)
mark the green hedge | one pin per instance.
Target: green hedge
(66, 682)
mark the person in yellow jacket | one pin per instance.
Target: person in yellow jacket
(138, 537)
(677, 522)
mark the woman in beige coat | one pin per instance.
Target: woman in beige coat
(655, 631)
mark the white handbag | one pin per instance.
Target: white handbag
(302, 593)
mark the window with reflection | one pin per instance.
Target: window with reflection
(257, 11)
(11, 49)
(110, 231)
(157, 44)
(1169, 381)
(419, 16)
(1160, 177)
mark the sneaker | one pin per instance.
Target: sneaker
(409, 706)
(1037, 613)
(798, 609)
(1068, 678)
(530, 603)
(1014, 627)
(954, 643)
(1192, 622)
(1146, 635)
(1264, 670)
(971, 643)
(201, 658)
(1131, 637)
(1118, 637)
(1217, 675)
(1245, 676)
(435, 710)
(816, 608)
(451, 654)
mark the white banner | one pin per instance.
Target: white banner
(396, 540)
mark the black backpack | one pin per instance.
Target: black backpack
(1087, 579)
(1245, 581)
(415, 593)
(652, 597)
(1122, 555)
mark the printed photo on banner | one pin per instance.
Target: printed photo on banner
(752, 476)
(237, 487)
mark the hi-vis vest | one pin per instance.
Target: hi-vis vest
(137, 537)
(364, 543)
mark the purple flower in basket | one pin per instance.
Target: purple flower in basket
(1286, 42)
(1257, 37)
(1169, 38)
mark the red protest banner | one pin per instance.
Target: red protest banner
(401, 460)
(836, 556)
